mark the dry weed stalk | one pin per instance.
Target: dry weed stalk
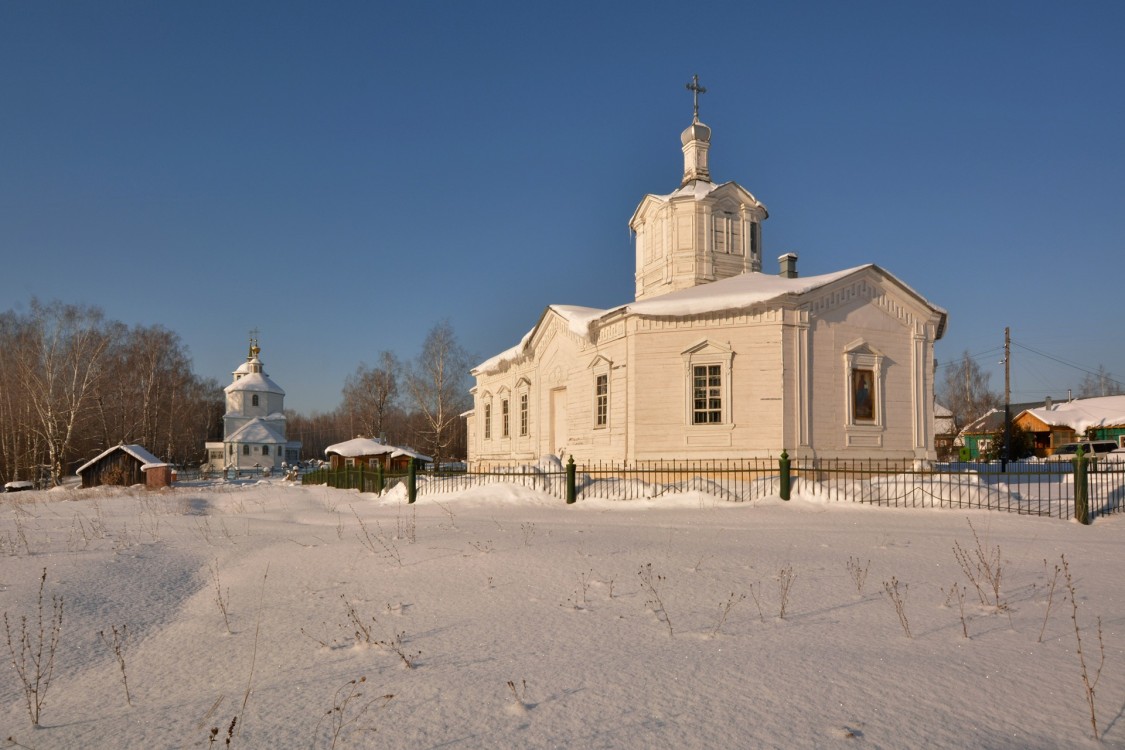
(345, 712)
(757, 600)
(724, 610)
(408, 525)
(1052, 581)
(222, 599)
(528, 530)
(858, 573)
(33, 651)
(519, 695)
(1088, 684)
(484, 547)
(378, 541)
(898, 598)
(651, 583)
(117, 644)
(253, 652)
(785, 579)
(449, 515)
(365, 635)
(579, 598)
(214, 736)
(959, 592)
(982, 568)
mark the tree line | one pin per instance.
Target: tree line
(73, 383)
(415, 405)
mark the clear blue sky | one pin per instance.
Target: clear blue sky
(342, 175)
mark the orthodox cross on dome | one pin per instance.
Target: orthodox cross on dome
(696, 90)
(254, 348)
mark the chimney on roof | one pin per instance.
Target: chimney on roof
(788, 265)
(1048, 404)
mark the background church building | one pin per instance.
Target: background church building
(254, 422)
(714, 358)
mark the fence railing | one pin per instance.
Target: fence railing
(1065, 489)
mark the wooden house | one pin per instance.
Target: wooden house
(1055, 424)
(370, 453)
(125, 465)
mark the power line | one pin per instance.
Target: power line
(1080, 368)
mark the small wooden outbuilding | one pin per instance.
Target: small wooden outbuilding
(126, 465)
(370, 453)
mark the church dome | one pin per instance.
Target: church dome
(697, 131)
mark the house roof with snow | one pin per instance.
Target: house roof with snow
(1082, 414)
(361, 446)
(748, 290)
(136, 451)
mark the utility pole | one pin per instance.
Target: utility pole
(1007, 399)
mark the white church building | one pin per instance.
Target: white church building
(715, 358)
(254, 422)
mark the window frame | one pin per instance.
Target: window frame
(709, 354)
(864, 366)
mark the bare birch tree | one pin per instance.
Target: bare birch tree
(438, 386)
(965, 391)
(1100, 383)
(370, 392)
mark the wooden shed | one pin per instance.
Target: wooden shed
(125, 465)
(370, 453)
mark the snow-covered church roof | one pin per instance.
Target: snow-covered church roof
(255, 381)
(735, 293)
(257, 430)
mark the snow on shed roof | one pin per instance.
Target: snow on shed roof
(362, 446)
(359, 446)
(1083, 414)
(136, 451)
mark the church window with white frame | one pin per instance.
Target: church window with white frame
(505, 418)
(487, 420)
(523, 414)
(708, 373)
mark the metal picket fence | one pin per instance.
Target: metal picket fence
(1062, 489)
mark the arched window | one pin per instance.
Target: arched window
(254, 400)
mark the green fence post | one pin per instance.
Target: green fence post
(379, 478)
(411, 483)
(1081, 488)
(783, 465)
(361, 487)
(570, 494)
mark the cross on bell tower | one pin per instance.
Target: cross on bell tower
(696, 90)
(696, 140)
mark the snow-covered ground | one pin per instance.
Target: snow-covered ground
(528, 623)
